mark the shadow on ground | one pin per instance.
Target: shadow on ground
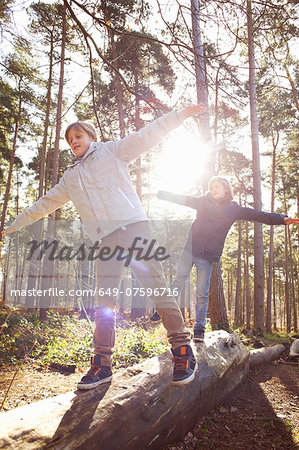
(261, 413)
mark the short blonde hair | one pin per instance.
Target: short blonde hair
(225, 183)
(82, 126)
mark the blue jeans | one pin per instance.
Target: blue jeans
(203, 276)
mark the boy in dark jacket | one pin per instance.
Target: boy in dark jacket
(216, 213)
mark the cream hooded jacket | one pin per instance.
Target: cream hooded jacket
(99, 183)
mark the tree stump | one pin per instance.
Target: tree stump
(139, 409)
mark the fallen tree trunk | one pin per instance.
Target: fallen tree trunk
(140, 409)
(265, 355)
(294, 350)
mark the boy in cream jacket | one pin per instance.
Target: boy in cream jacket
(99, 185)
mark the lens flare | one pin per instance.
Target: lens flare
(182, 163)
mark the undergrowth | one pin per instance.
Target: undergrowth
(66, 339)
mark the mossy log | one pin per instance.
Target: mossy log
(139, 409)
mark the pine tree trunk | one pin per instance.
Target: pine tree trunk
(12, 160)
(48, 267)
(138, 161)
(32, 271)
(59, 103)
(244, 289)
(117, 83)
(218, 310)
(239, 278)
(287, 291)
(201, 88)
(246, 275)
(46, 122)
(271, 244)
(274, 300)
(118, 88)
(292, 281)
(287, 265)
(258, 229)
(229, 302)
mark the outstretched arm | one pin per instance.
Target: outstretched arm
(54, 199)
(255, 215)
(180, 199)
(132, 146)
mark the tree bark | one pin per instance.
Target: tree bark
(205, 129)
(137, 128)
(46, 122)
(257, 195)
(292, 282)
(202, 90)
(217, 308)
(265, 355)
(117, 83)
(59, 104)
(48, 266)
(32, 271)
(12, 160)
(239, 278)
(246, 275)
(271, 245)
(118, 89)
(274, 300)
(287, 265)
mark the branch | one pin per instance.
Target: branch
(137, 35)
(88, 36)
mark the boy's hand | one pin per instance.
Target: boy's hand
(290, 220)
(194, 109)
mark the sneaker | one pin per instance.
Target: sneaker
(199, 335)
(155, 317)
(96, 375)
(185, 365)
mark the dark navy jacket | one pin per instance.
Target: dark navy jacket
(214, 219)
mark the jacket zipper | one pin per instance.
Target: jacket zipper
(80, 182)
(124, 196)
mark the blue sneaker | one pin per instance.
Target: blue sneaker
(185, 365)
(96, 375)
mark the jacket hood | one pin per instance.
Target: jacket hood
(78, 159)
(222, 201)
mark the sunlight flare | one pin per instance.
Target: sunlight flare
(182, 161)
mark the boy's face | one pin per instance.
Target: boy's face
(79, 141)
(217, 190)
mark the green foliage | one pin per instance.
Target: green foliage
(5, 10)
(67, 339)
(135, 344)
(277, 336)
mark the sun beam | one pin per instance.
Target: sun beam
(182, 161)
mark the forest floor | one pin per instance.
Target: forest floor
(262, 412)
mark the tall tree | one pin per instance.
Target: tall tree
(18, 68)
(257, 193)
(217, 300)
